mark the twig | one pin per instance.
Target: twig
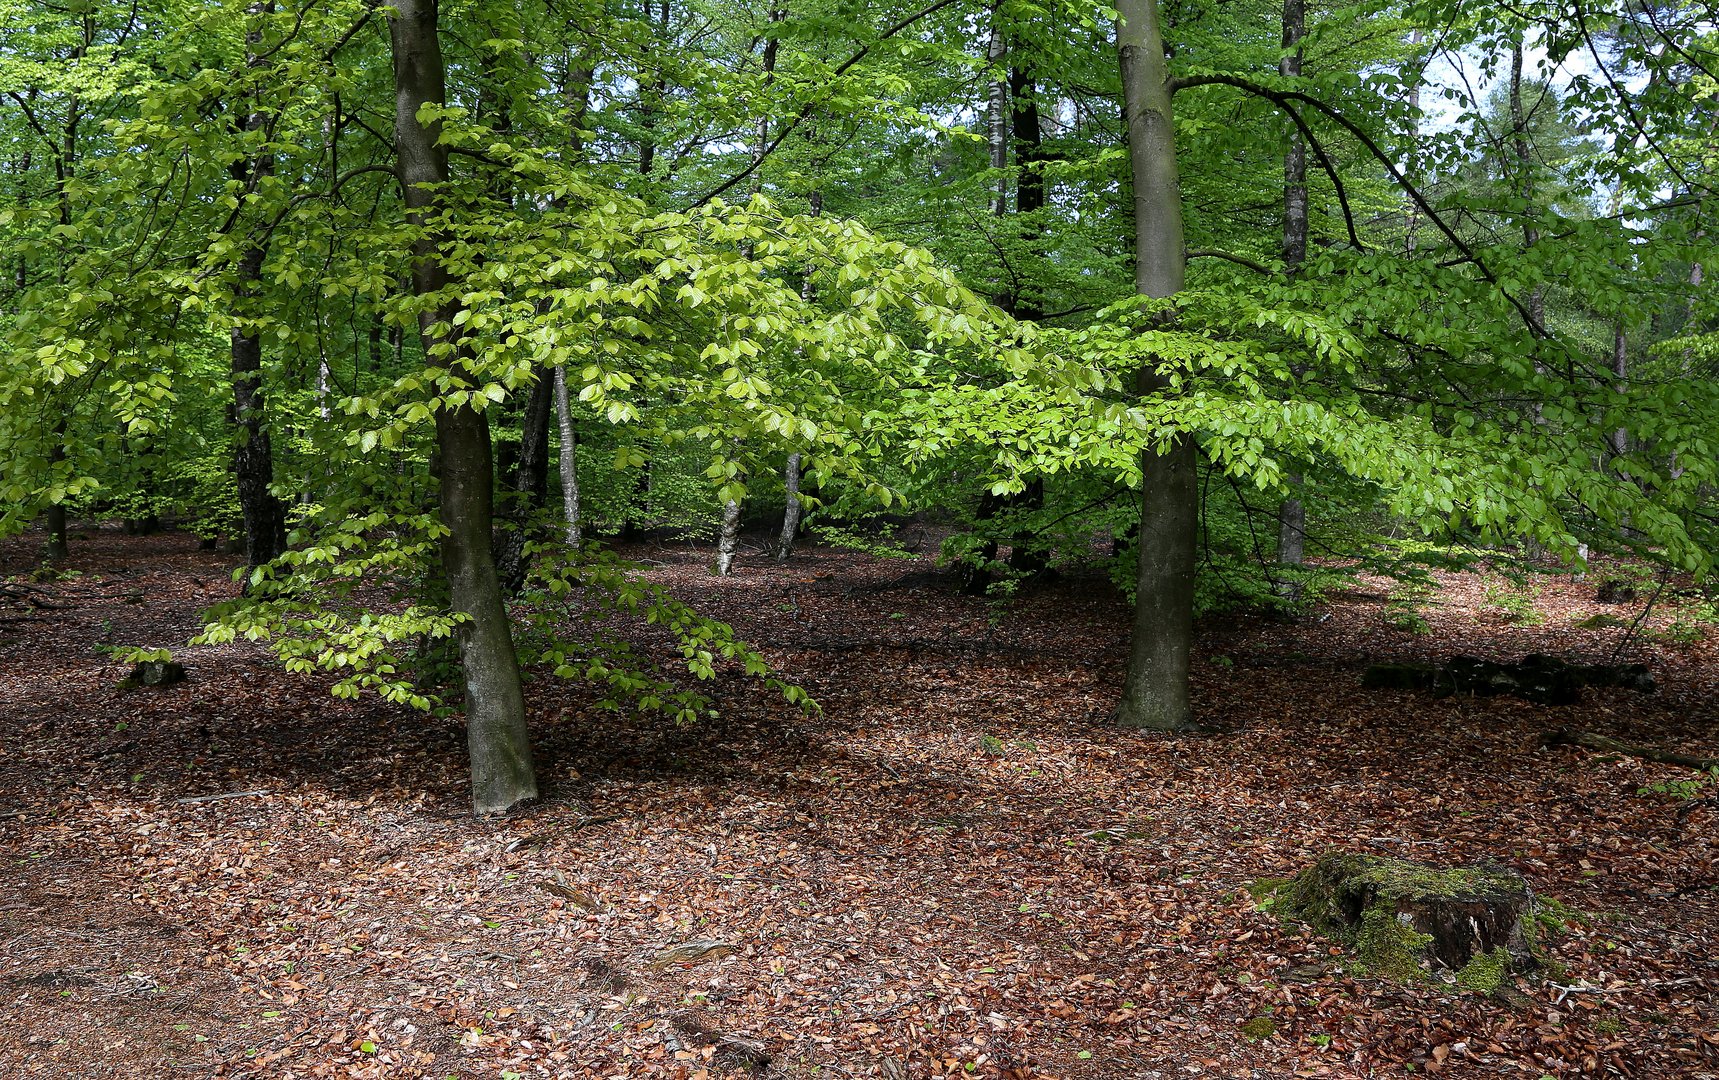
(217, 798)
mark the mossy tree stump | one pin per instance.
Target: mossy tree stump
(1403, 918)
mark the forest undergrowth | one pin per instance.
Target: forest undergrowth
(957, 868)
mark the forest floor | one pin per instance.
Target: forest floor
(956, 869)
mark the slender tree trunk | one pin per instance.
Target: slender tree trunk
(1291, 514)
(1413, 216)
(1525, 178)
(1027, 557)
(997, 119)
(502, 773)
(792, 510)
(57, 547)
(569, 462)
(1155, 689)
(1620, 368)
(253, 456)
(530, 485)
(728, 533)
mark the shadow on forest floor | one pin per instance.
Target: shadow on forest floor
(955, 866)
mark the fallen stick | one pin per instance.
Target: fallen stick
(1592, 741)
(218, 798)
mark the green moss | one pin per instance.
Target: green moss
(1259, 1029)
(1266, 891)
(1388, 946)
(1485, 973)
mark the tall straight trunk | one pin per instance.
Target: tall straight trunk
(1027, 556)
(997, 119)
(1523, 151)
(1620, 368)
(650, 99)
(1292, 514)
(502, 773)
(728, 532)
(1155, 689)
(578, 94)
(792, 510)
(572, 532)
(253, 455)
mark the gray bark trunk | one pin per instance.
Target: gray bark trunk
(502, 773)
(728, 540)
(573, 533)
(1155, 689)
(996, 120)
(791, 513)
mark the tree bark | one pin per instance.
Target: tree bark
(573, 533)
(1291, 514)
(1155, 689)
(791, 512)
(530, 485)
(996, 120)
(728, 539)
(502, 773)
(253, 456)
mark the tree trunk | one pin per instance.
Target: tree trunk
(569, 462)
(1027, 557)
(253, 456)
(792, 509)
(791, 512)
(530, 485)
(502, 774)
(996, 120)
(1291, 514)
(728, 540)
(1155, 689)
(56, 547)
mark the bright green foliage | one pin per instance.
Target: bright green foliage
(709, 324)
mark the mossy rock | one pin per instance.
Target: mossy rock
(1403, 919)
(1602, 621)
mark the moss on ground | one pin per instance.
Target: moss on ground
(1486, 973)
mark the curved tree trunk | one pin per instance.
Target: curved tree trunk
(1155, 689)
(502, 773)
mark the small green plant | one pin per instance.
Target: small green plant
(992, 745)
(1403, 606)
(1259, 1029)
(1513, 602)
(1683, 790)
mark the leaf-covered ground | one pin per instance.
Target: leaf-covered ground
(957, 869)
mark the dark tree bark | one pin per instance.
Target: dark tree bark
(253, 455)
(502, 773)
(530, 485)
(1155, 689)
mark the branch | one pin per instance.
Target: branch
(807, 109)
